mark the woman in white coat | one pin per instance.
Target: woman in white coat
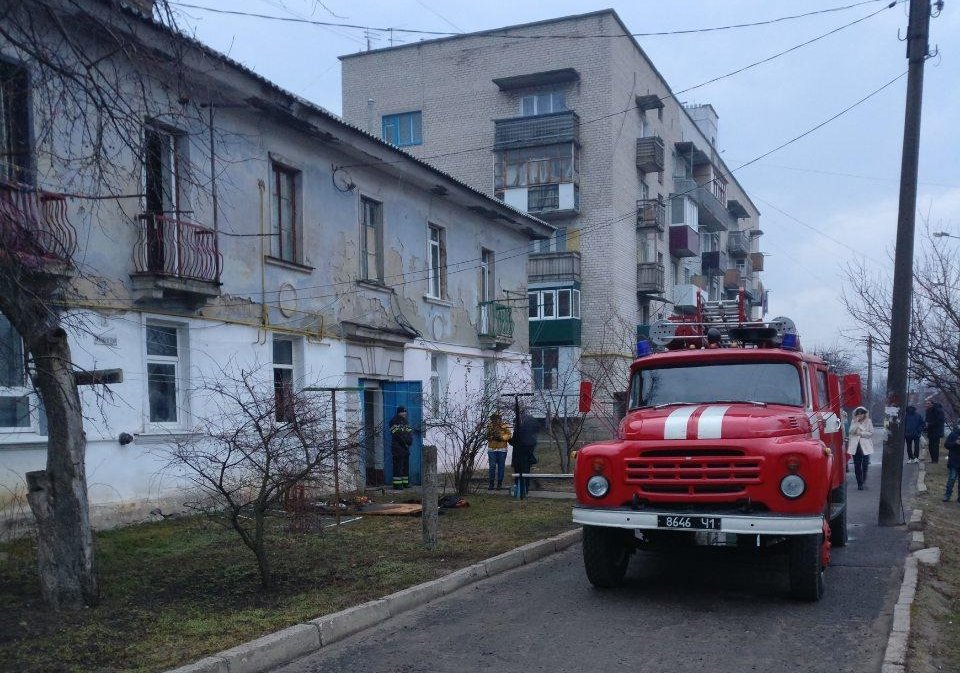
(859, 445)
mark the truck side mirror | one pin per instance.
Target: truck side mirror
(852, 391)
(586, 396)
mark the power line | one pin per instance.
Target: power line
(569, 36)
(855, 175)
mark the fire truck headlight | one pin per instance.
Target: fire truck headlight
(792, 486)
(598, 486)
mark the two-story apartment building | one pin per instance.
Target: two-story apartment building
(569, 119)
(246, 228)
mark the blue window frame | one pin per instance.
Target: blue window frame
(403, 129)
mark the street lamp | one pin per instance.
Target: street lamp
(941, 234)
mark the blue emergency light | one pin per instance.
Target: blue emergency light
(790, 342)
(643, 348)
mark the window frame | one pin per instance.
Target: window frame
(557, 102)
(282, 170)
(377, 254)
(569, 294)
(23, 391)
(278, 404)
(16, 137)
(548, 197)
(436, 270)
(395, 122)
(541, 382)
(176, 181)
(179, 366)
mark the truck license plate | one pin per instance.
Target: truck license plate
(688, 522)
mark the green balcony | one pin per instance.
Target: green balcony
(494, 325)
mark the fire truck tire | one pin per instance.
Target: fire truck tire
(838, 524)
(606, 554)
(806, 571)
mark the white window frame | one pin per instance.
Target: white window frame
(533, 297)
(575, 304)
(569, 294)
(558, 102)
(436, 271)
(367, 274)
(543, 305)
(291, 367)
(180, 365)
(23, 390)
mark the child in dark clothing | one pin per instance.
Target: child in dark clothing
(952, 445)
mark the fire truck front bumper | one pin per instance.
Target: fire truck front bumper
(744, 524)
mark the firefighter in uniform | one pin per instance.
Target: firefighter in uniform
(401, 438)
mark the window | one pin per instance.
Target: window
(165, 159)
(371, 240)
(285, 200)
(553, 304)
(549, 164)
(768, 382)
(544, 363)
(16, 161)
(283, 398)
(822, 388)
(576, 304)
(533, 311)
(437, 263)
(564, 307)
(163, 373)
(436, 382)
(14, 394)
(542, 103)
(403, 130)
(684, 211)
(682, 167)
(487, 278)
(548, 304)
(543, 197)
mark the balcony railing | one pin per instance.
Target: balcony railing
(650, 154)
(651, 213)
(548, 129)
(714, 263)
(732, 279)
(649, 278)
(738, 243)
(176, 249)
(494, 325)
(550, 267)
(714, 215)
(34, 224)
(684, 241)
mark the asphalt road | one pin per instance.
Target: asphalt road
(713, 610)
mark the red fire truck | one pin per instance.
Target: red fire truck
(733, 436)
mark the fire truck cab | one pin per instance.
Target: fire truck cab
(731, 437)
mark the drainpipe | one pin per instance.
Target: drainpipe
(213, 193)
(264, 314)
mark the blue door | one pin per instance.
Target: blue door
(407, 394)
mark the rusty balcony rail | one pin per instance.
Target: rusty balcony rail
(34, 224)
(738, 243)
(545, 129)
(650, 154)
(650, 278)
(495, 321)
(651, 213)
(175, 248)
(546, 267)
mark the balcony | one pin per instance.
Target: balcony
(714, 215)
(494, 325)
(650, 154)
(175, 256)
(651, 214)
(548, 129)
(34, 228)
(684, 241)
(685, 298)
(553, 267)
(756, 261)
(649, 278)
(738, 244)
(715, 263)
(752, 289)
(732, 279)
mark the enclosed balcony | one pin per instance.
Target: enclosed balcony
(649, 278)
(546, 129)
(494, 325)
(34, 228)
(553, 267)
(714, 215)
(738, 244)
(732, 279)
(174, 256)
(715, 263)
(684, 241)
(686, 297)
(650, 154)
(651, 214)
(756, 261)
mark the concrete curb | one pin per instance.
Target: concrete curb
(921, 476)
(282, 647)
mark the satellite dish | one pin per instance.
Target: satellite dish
(662, 332)
(783, 325)
(342, 180)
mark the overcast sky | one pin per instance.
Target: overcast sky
(824, 199)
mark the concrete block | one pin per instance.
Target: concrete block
(929, 556)
(413, 597)
(208, 665)
(892, 668)
(921, 487)
(537, 550)
(272, 650)
(503, 562)
(341, 624)
(916, 520)
(907, 594)
(901, 618)
(917, 541)
(568, 539)
(462, 577)
(896, 648)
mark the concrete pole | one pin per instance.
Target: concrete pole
(891, 507)
(430, 516)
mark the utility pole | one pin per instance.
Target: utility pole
(891, 476)
(869, 374)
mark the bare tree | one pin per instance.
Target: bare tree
(934, 345)
(564, 420)
(839, 360)
(254, 443)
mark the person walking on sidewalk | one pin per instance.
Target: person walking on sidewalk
(498, 434)
(401, 439)
(934, 420)
(952, 445)
(859, 445)
(912, 429)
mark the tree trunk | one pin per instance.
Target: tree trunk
(260, 550)
(58, 495)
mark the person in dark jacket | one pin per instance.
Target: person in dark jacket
(935, 421)
(912, 429)
(524, 442)
(401, 438)
(952, 445)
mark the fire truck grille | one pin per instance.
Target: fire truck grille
(684, 472)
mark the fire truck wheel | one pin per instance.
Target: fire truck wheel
(806, 572)
(606, 554)
(838, 524)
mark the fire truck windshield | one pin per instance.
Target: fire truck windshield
(763, 382)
